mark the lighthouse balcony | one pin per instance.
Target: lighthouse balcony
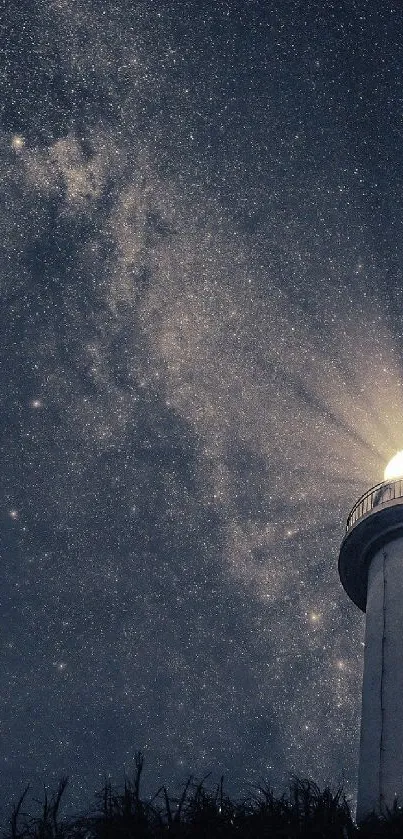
(380, 494)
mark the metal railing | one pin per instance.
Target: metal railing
(380, 494)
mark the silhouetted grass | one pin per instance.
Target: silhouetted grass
(200, 812)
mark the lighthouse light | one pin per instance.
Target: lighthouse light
(394, 468)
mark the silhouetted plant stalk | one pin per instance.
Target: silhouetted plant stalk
(44, 826)
(198, 811)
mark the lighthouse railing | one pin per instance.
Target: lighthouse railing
(379, 494)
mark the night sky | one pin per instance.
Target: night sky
(201, 370)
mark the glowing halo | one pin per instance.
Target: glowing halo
(394, 468)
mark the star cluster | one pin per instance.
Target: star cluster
(201, 371)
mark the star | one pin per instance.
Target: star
(17, 142)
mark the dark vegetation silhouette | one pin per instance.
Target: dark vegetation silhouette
(200, 812)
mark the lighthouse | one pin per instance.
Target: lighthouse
(371, 571)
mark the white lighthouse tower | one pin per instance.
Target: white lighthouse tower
(371, 571)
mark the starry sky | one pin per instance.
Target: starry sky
(201, 370)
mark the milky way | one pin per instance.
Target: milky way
(201, 372)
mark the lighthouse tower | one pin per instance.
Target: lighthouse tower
(371, 571)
